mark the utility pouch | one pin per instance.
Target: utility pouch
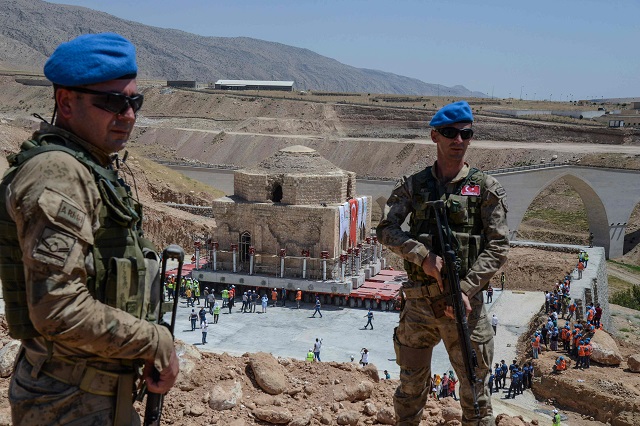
(457, 208)
(409, 358)
(438, 306)
(152, 283)
(122, 285)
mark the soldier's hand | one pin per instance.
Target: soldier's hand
(432, 265)
(467, 307)
(163, 381)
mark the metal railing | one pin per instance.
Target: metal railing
(529, 167)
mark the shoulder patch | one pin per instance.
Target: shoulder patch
(71, 215)
(494, 187)
(54, 247)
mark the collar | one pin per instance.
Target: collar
(462, 174)
(99, 155)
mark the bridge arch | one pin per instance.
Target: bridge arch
(594, 207)
(609, 195)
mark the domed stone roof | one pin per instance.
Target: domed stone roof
(294, 175)
(296, 160)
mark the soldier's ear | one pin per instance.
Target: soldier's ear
(65, 100)
(434, 136)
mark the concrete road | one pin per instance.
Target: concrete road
(290, 332)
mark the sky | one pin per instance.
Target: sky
(557, 50)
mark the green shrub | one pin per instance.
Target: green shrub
(629, 298)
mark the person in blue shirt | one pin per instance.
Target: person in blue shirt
(369, 319)
(317, 310)
(514, 384)
(504, 369)
(497, 376)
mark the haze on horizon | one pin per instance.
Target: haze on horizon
(565, 50)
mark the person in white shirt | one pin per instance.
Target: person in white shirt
(494, 323)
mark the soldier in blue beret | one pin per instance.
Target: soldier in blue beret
(477, 215)
(81, 308)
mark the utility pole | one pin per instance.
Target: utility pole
(521, 87)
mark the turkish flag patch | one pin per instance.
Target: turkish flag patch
(470, 190)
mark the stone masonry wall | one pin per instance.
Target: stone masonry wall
(251, 187)
(314, 189)
(276, 226)
(296, 189)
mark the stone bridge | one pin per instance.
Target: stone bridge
(609, 197)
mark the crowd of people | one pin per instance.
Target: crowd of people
(189, 290)
(576, 333)
(443, 386)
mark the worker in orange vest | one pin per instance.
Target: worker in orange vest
(588, 352)
(274, 296)
(560, 365)
(576, 342)
(535, 345)
(298, 297)
(566, 338)
(582, 353)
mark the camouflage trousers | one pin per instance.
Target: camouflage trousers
(47, 401)
(416, 336)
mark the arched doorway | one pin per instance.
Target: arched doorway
(276, 193)
(245, 243)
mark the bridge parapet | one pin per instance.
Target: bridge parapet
(529, 167)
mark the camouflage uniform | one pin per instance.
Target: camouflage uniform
(419, 330)
(86, 351)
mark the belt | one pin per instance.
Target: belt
(423, 291)
(78, 373)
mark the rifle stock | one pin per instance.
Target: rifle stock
(153, 409)
(451, 280)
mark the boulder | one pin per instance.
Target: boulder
(634, 363)
(8, 355)
(386, 416)
(451, 413)
(605, 349)
(360, 392)
(348, 417)
(506, 420)
(274, 415)
(370, 409)
(225, 396)
(269, 374)
(195, 410)
(302, 419)
(188, 357)
(372, 371)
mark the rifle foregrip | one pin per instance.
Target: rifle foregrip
(153, 409)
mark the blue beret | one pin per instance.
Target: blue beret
(457, 112)
(90, 59)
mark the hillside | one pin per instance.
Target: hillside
(31, 29)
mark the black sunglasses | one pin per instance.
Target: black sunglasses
(452, 133)
(113, 102)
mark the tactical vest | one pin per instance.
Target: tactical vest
(120, 253)
(463, 215)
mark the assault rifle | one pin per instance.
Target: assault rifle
(451, 280)
(153, 410)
